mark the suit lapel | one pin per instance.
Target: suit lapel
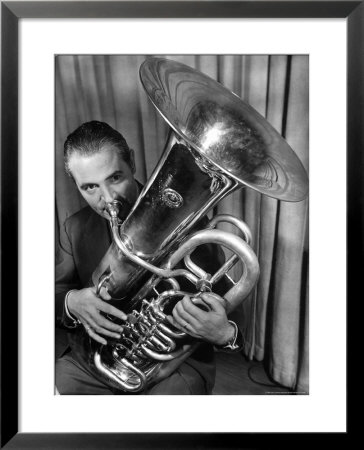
(95, 241)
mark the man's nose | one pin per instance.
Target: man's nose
(108, 195)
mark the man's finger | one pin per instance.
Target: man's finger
(104, 294)
(173, 321)
(177, 321)
(89, 330)
(214, 301)
(179, 311)
(181, 324)
(96, 337)
(186, 322)
(107, 324)
(105, 332)
(191, 308)
(96, 329)
(109, 309)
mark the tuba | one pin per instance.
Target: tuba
(217, 143)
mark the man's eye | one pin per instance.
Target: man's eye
(90, 187)
(116, 178)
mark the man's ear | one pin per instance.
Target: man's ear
(132, 160)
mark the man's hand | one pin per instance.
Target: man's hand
(212, 326)
(86, 307)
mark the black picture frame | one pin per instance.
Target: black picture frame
(11, 13)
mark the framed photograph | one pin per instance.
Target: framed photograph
(70, 63)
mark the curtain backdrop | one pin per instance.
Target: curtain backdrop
(107, 88)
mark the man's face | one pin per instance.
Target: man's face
(104, 177)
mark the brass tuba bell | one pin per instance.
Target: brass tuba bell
(217, 144)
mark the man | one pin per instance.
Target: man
(102, 166)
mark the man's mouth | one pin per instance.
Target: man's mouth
(122, 208)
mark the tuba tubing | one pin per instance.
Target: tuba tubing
(233, 297)
(239, 247)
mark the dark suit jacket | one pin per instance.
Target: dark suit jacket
(84, 241)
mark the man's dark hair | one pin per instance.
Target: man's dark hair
(90, 137)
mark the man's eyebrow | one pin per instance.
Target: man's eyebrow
(85, 185)
(117, 172)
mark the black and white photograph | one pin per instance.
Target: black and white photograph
(181, 224)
